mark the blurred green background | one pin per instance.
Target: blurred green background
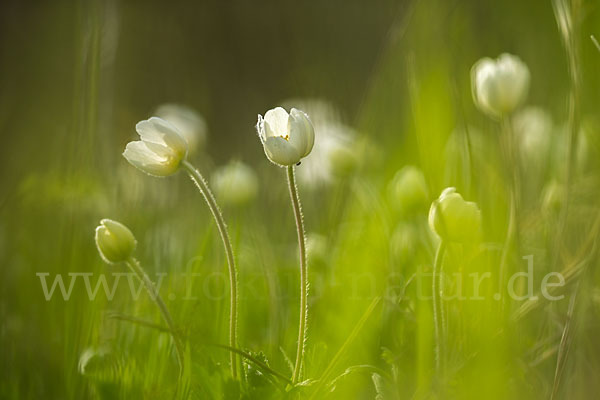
(76, 76)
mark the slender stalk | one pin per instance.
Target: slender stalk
(303, 272)
(510, 162)
(222, 227)
(136, 268)
(436, 295)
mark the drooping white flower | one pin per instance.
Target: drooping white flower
(235, 183)
(114, 241)
(189, 123)
(499, 86)
(286, 138)
(161, 149)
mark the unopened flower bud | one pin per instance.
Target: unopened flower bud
(454, 219)
(115, 241)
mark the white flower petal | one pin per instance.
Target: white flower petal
(260, 128)
(281, 152)
(142, 157)
(157, 130)
(302, 133)
(277, 122)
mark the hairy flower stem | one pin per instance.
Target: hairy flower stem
(218, 216)
(436, 292)
(303, 272)
(136, 268)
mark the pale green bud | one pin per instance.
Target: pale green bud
(454, 219)
(115, 241)
(408, 190)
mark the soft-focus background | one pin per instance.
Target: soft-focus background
(387, 84)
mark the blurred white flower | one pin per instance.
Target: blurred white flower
(336, 152)
(408, 191)
(114, 241)
(189, 123)
(235, 183)
(334, 156)
(286, 138)
(453, 218)
(161, 149)
(499, 86)
(533, 128)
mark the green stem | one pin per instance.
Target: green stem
(436, 295)
(303, 272)
(222, 227)
(135, 266)
(511, 163)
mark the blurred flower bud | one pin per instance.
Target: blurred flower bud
(161, 149)
(235, 183)
(408, 190)
(499, 86)
(454, 219)
(188, 122)
(115, 241)
(286, 138)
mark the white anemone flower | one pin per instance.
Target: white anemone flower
(286, 138)
(161, 150)
(192, 127)
(499, 86)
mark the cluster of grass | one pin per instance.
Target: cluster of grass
(371, 330)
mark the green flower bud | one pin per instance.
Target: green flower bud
(115, 241)
(408, 190)
(454, 219)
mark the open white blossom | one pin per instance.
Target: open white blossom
(189, 123)
(286, 138)
(499, 86)
(161, 149)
